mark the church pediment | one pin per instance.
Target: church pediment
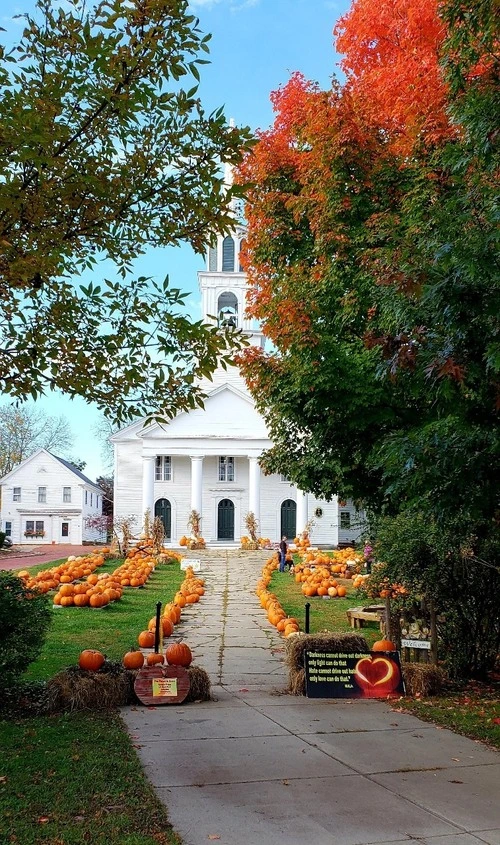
(228, 413)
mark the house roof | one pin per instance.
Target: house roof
(76, 471)
(65, 464)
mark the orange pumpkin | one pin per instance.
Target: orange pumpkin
(384, 645)
(146, 639)
(133, 659)
(153, 659)
(179, 654)
(91, 660)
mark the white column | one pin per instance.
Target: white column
(148, 490)
(301, 511)
(196, 482)
(254, 488)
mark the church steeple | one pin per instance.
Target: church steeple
(223, 283)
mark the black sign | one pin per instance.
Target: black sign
(376, 674)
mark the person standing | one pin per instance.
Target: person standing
(283, 552)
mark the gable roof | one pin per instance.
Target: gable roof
(66, 464)
(76, 471)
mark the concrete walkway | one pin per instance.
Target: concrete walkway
(22, 557)
(256, 767)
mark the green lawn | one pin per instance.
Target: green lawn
(325, 614)
(75, 778)
(112, 629)
(473, 711)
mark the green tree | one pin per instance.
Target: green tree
(105, 151)
(376, 275)
(24, 429)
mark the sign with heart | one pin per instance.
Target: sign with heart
(373, 675)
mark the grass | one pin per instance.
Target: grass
(324, 614)
(112, 630)
(75, 778)
(473, 711)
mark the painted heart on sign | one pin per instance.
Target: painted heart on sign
(377, 676)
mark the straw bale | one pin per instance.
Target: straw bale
(78, 689)
(326, 642)
(199, 689)
(423, 679)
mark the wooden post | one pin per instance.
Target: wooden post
(434, 638)
(158, 629)
(388, 618)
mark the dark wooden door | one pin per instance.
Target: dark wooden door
(163, 509)
(288, 519)
(225, 520)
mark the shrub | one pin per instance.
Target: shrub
(24, 619)
(455, 565)
(2, 538)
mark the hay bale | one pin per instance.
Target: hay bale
(199, 689)
(78, 689)
(423, 679)
(326, 642)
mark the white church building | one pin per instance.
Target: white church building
(207, 459)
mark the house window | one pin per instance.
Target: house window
(42, 495)
(226, 469)
(97, 501)
(34, 528)
(66, 494)
(16, 494)
(345, 520)
(86, 496)
(8, 529)
(163, 468)
(91, 497)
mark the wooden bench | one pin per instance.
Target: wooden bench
(357, 616)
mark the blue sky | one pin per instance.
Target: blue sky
(255, 46)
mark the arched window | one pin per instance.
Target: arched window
(242, 249)
(212, 259)
(228, 254)
(227, 309)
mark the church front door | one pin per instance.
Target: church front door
(225, 520)
(163, 509)
(288, 519)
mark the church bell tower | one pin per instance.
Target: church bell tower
(223, 283)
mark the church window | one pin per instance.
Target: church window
(228, 254)
(212, 259)
(226, 469)
(163, 468)
(242, 247)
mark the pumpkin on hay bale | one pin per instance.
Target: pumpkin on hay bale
(325, 642)
(78, 689)
(423, 679)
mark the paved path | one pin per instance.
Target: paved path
(255, 767)
(25, 556)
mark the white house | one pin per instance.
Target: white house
(208, 459)
(47, 500)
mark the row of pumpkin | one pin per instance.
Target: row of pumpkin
(286, 625)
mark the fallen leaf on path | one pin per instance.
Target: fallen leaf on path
(213, 836)
(243, 689)
(455, 781)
